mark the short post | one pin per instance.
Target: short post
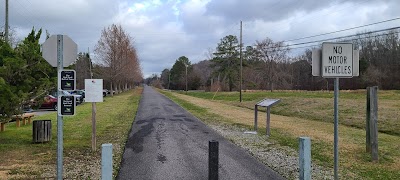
(17, 122)
(255, 117)
(213, 160)
(106, 161)
(29, 119)
(305, 158)
(372, 122)
(367, 133)
(2, 127)
(268, 121)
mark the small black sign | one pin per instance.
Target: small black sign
(67, 79)
(67, 105)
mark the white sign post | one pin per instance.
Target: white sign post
(59, 51)
(335, 60)
(94, 93)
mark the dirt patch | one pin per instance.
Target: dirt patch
(3, 174)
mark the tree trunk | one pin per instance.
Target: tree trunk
(111, 89)
(272, 86)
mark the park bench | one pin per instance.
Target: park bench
(25, 118)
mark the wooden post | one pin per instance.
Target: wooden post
(17, 122)
(2, 127)
(373, 123)
(29, 119)
(24, 119)
(41, 131)
(93, 126)
(367, 134)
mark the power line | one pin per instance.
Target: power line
(343, 30)
(378, 35)
(341, 37)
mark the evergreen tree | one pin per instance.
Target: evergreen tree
(226, 60)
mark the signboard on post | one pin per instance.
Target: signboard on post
(66, 105)
(268, 103)
(337, 60)
(69, 49)
(93, 90)
(60, 51)
(67, 80)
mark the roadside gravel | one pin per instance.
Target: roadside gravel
(283, 160)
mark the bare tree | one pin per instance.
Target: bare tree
(117, 55)
(271, 54)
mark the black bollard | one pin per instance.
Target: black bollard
(213, 160)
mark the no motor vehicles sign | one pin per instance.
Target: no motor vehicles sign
(337, 60)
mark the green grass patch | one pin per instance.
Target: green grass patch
(113, 121)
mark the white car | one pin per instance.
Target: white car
(78, 97)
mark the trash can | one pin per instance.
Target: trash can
(41, 131)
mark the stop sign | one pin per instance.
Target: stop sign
(69, 50)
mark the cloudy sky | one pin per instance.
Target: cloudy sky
(164, 30)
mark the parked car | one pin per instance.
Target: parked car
(105, 92)
(109, 91)
(78, 98)
(79, 92)
(50, 102)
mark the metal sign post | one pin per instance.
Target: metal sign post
(336, 129)
(335, 60)
(60, 51)
(59, 117)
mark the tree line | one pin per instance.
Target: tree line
(269, 65)
(26, 76)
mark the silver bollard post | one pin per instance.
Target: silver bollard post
(305, 158)
(106, 161)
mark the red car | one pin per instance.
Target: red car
(50, 102)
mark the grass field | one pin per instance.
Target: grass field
(21, 159)
(311, 114)
(318, 105)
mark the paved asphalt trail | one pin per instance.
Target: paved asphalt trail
(167, 142)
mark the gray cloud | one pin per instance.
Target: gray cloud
(167, 29)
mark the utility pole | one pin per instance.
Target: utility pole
(186, 78)
(241, 61)
(6, 25)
